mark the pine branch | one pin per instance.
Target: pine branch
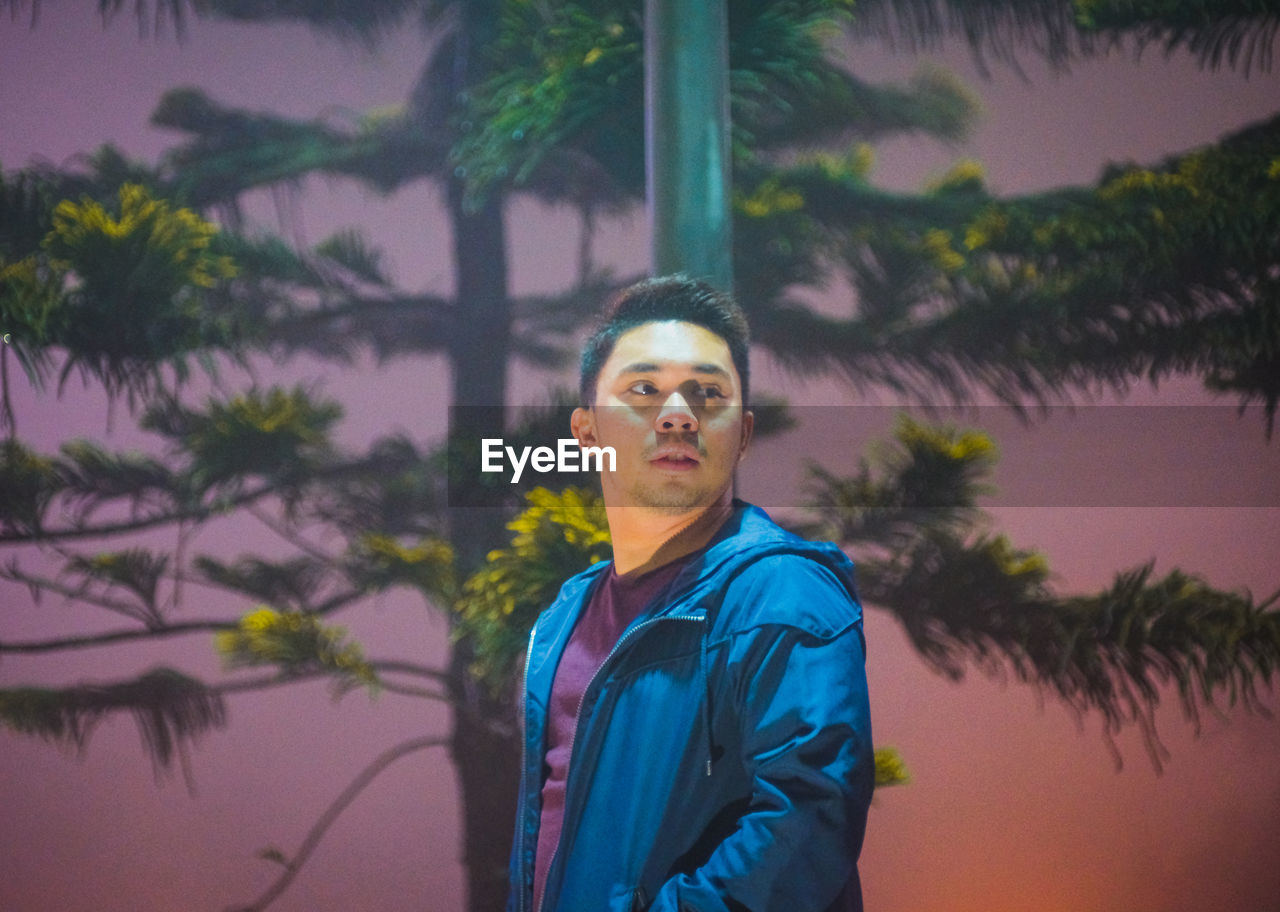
(176, 423)
(37, 585)
(969, 599)
(962, 602)
(107, 638)
(366, 22)
(233, 150)
(113, 637)
(411, 668)
(269, 682)
(1153, 272)
(317, 832)
(1239, 33)
(993, 29)
(171, 709)
(126, 527)
(402, 324)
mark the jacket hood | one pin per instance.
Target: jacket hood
(747, 536)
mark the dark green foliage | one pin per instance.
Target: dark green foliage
(564, 116)
(170, 708)
(395, 489)
(120, 287)
(231, 151)
(279, 434)
(1092, 286)
(332, 301)
(28, 482)
(1237, 32)
(290, 583)
(92, 476)
(27, 199)
(1154, 272)
(351, 250)
(968, 598)
(936, 473)
(135, 569)
(1161, 271)
(367, 20)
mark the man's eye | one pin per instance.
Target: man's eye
(643, 388)
(707, 393)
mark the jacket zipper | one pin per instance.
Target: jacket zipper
(700, 619)
(524, 760)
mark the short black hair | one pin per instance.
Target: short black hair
(657, 300)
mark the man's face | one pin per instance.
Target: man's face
(669, 401)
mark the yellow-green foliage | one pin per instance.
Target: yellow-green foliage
(120, 288)
(890, 768)
(382, 561)
(1016, 564)
(564, 65)
(27, 482)
(29, 294)
(1140, 181)
(1146, 221)
(854, 164)
(950, 444)
(295, 643)
(556, 536)
(769, 198)
(964, 174)
(989, 225)
(276, 433)
(136, 569)
(936, 245)
(160, 247)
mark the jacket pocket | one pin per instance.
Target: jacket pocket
(639, 900)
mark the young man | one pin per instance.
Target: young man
(697, 732)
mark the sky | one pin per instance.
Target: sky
(1014, 803)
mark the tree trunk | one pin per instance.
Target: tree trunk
(486, 755)
(485, 750)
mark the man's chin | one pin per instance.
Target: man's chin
(672, 499)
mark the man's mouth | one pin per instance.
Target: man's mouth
(675, 459)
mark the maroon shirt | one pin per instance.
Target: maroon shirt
(615, 603)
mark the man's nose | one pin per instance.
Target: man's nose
(675, 416)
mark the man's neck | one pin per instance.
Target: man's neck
(645, 539)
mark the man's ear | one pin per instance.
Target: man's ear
(583, 425)
(748, 425)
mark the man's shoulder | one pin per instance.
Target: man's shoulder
(767, 575)
(791, 589)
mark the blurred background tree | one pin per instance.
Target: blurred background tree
(114, 273)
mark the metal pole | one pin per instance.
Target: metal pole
(687, 167)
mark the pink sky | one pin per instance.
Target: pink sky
(1013, 806)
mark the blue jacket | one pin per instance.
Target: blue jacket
(722, 759)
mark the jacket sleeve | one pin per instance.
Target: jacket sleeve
(799, 704)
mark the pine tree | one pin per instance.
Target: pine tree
(1029, 298)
